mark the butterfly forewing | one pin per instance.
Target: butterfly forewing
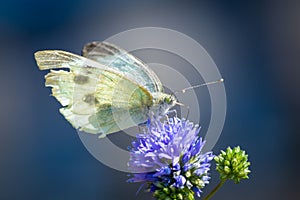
(123, 62)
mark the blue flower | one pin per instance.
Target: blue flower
(168, 158)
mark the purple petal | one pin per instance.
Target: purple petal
(164, 155)
(197, 191)
(163, 171)
(180, 181)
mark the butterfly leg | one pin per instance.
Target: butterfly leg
(172, 111)
(188, 111)
(167, 117)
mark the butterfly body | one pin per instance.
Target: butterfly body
(106, 91)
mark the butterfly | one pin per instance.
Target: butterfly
(105, 90)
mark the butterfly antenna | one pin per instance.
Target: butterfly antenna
(196, 86)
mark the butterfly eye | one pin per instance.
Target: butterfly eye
(168, 100)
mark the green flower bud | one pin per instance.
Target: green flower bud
(233, 164)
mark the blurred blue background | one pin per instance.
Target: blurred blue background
(255, 45)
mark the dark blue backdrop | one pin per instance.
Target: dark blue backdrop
(255, 45)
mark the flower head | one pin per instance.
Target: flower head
(233, 164)
(168, 158)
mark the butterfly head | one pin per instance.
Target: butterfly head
(169, 100)
(163, 103)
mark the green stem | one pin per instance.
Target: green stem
(214, 190)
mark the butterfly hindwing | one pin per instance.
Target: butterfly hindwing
(125, 103)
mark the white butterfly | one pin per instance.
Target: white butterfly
(104, 91)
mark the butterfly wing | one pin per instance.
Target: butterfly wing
(95, 99)
(124, 104)
(123, 62)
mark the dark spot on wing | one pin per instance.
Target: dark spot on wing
(104, 50)
(81, 79)
(90, 99)
(111, 48)
(99, 48)
(89, 47)
(88, 68)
